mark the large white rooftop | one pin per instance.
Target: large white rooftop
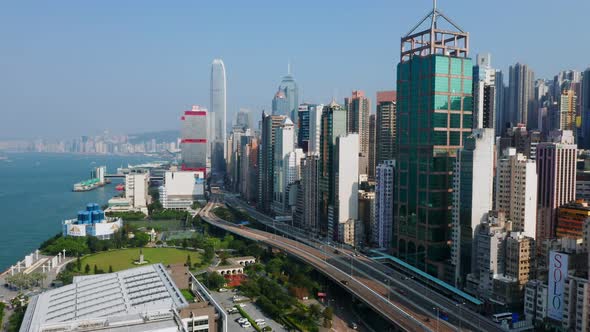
(139, 297)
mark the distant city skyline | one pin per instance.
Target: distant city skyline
(84, 68)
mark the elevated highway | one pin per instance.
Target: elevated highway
(373, 293)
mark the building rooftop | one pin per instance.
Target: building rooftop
(113, 301)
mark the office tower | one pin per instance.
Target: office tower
(434, 116)
(343, 213)
(315, 121)
(366, 218)
(266, 160)
(472, 197)
(303, 127)
(521, 95)
(556, 170)
(193, 144)
(333, 124)
(516, 191)
(384, 188)
(372, 146)
(243, 119)
(358, 107)
(283, 146)
(484, 92)
(502, 115)
(307, 212)
(523, 140)
(234, 149)
(249, 169)
(286, 100)
(568, 112)
(219, 110)
(386, 145)
(585, 112)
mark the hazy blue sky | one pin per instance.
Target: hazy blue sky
(77, 67)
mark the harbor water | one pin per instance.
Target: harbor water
(36, 195)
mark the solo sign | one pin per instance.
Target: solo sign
(557, 275)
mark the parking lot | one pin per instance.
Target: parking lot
(226, 301)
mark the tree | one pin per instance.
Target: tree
(188, 261)
(315, 311)
(223, 256)
(110, 269)
(95, 269)
(209, 253)
(328, 315)
(78, 263)
(214, 280)
(87, 269)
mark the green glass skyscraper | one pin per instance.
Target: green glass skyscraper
(434, 117)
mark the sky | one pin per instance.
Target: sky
(70, 68)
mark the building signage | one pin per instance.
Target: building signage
(557, 275)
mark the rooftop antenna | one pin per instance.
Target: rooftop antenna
(289, 67)
(433, 24)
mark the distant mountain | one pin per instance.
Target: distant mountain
(159, 136)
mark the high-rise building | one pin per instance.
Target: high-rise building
(266, 160)
(385, 140)
(307, 212)
(502, 115)
(193, 144)
(571, 218)
(366, 218)
(219, 110)
(585, 101)
(382, 230)
(516, 191)
(346, 187)
(434, 116)
(286, 100)
(243, 119)
(556, 168)
(472, 197)
(372, 146)
(521, 96)
(484, 92)
(358, 107)
(568, 112)
(284, 165)
(303, 126)
(249, 169)
(333, 124)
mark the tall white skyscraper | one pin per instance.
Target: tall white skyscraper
(472, 197)
(346, 174)
(284, 144)
(219, 110)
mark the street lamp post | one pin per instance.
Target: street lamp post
(460, 305)
(437, 317)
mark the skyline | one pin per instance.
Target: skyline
(82, 62)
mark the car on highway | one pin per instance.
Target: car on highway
(241, 320)
(344, 282)
(354, 326)
(246, 325)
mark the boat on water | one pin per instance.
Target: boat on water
(120, 187)
(88, 185)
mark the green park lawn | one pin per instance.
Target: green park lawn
(123, 259)
(158, 225)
